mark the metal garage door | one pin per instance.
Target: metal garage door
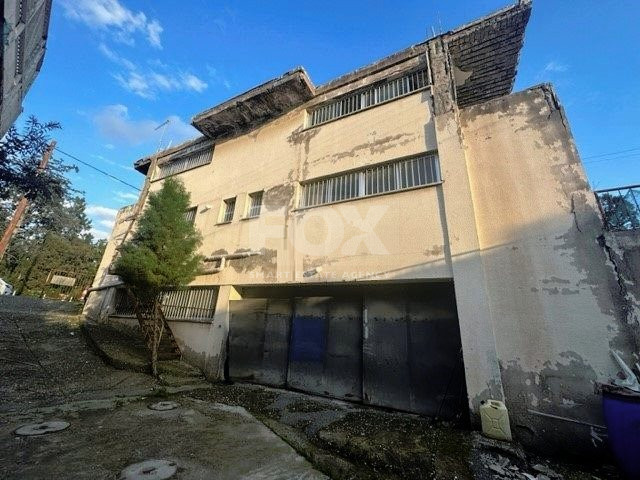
(259, 340)
(325, 355)
(412, 356)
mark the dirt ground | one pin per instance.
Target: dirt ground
(49, 372)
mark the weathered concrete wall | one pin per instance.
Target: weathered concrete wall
(276, 157)
(99, 302)
(553, 293)
(623, 250)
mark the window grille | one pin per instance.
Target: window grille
(190, 215)
(388, 177)
(193, 160)
(374, 95)
(193, 303)
(229, 207)
(255, 204)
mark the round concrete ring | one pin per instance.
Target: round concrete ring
(161, 406)
(42, 428)
(150, 470)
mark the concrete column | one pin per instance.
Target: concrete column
(482, 370)
(219, 332)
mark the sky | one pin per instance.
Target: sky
(116, 69)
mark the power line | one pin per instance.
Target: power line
(97, 169)
(611, 159)
(611, 153)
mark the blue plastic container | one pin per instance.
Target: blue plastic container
(622, 416)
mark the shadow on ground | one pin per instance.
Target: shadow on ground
(351, 441)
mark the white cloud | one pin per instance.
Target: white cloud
(109, 146)
(148, 82)
(101, 212)
(115, 125)
(115, 58)
(104, 217)
(112, 17)
(194, 83)
(127, 196)
(218, 78)
(554, 66)
(99, 234)
(107, 223)
(551, 68)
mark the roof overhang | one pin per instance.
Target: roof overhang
(185, 148)
(256, 107)
(485, 53)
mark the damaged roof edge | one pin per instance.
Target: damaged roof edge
(142, 164)
(234, 116)
(299, 72)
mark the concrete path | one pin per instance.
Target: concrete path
(48, 373)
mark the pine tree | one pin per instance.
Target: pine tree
(160, 256)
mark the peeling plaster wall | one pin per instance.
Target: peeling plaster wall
(623, 249)
(553, 293)
(291, 242)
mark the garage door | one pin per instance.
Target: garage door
(325, 355)
(412, 356)
(259, 340)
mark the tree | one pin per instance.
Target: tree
(20, 154)
(620, 213)
(53, 236)
(161, 255)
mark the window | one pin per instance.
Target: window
(192, 160)
(255, 204)
(369, 97)
(229, 207)
(388, 177)
(190, 215)
(191, 303)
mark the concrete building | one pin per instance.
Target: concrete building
(410, 235)
(25, 27)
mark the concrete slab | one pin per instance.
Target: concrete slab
(204, 440)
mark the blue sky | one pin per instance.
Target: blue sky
(115, 69)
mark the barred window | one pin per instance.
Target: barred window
(190, 215)
(191, 303)
(255, 205)
(369, 97)
(192, 160)
(229, 207)
(388, 177)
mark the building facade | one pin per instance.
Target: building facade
(25, 27)
(410, 235)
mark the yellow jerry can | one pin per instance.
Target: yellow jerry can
(495, 420)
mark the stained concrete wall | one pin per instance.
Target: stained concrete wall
(276, 157)
(538, 286)
(553, 294)
(100, 303)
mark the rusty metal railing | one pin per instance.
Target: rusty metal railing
(620, 207)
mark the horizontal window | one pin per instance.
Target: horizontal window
(388, 177)
(196, 303)
(368, 97)
(193, 160)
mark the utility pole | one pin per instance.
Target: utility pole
(147, 183)
(23, 204)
